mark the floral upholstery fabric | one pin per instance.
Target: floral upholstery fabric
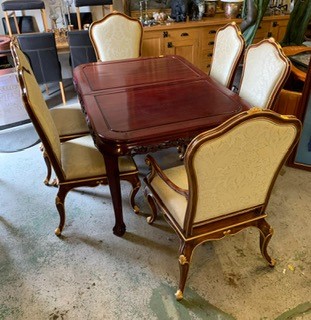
(175, 203)
(232, 172)
(263, 69)
(116, 38)
(69, 120)
(227, 49)
(91, 162)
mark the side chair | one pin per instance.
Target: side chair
(40, 49)
(225, 182)
(21, 5)
(90, 3)
(116, 36)
(69, 120)
(228, 49)
(81, 48)
(76, 162)
(265, 71)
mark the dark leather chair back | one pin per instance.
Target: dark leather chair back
(81, 49)
(89, 3)
(40, 48)
(26, 24)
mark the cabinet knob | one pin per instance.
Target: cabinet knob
(211, 43)
(275, 24)
(170, 44)
(184, 34)
(212, 31)
(165, 34)
(210, 55)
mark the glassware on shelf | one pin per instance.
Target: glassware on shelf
(54, 16)
(68, 4)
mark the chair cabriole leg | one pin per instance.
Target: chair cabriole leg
(135, 182)
(185, 253)
(153, 206)
(60, 205)
(266, 233)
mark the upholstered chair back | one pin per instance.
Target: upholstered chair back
(265, 70)
(36, 107)
(228, 49)
(234, 169)
(81, 48)
(116, 36)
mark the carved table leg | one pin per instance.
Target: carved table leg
(112, 169)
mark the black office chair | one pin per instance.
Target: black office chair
(40, 48)
(81, 49)
(90, 3)
(20, 5)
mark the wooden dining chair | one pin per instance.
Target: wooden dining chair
(228, 49)
(225, 182)
(69, 120)
(90, 3)
(116, 36)
(21, 5)
(76, 162)
(40, 49)
(265, 71)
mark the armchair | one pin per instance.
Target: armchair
(225, 182)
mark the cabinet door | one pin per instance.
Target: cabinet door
(278, 29)
(152, 45)
(184, 43)
(263, 31)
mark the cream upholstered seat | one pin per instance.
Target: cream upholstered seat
(76, 162)
(116, 36)
(225, 182)
(228, 49)
(265, 71)
(69, 120)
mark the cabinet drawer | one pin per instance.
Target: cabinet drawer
(181, 34)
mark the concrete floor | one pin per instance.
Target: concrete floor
(89, 273)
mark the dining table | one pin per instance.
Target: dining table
(137, 106)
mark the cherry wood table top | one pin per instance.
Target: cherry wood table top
(141, 105)
(143, 101)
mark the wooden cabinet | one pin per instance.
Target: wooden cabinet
(207, 46)
(274, 26)
(194, 40)
(182, 42)
(278, 29)
(153, 44)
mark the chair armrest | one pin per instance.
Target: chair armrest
(156, 170)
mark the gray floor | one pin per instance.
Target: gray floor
(89, 273)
